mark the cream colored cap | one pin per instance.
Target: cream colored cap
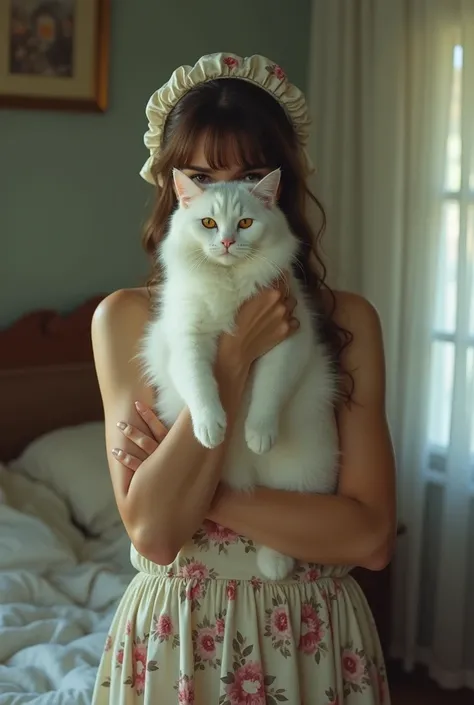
(255, 69)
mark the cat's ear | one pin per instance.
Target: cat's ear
(186, 189)
(267, 189)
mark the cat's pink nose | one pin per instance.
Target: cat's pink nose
(227, 242)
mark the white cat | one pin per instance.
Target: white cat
(224, 242)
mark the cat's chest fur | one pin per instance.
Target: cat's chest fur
(208, 306)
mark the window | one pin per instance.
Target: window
(451, 410)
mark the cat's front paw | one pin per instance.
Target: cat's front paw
(209, 426)
(260, 436)
(274, 565)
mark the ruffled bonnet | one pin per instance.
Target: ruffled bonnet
(255, 69)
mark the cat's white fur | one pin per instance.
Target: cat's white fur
(286, 435)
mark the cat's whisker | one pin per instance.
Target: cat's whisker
(275, 267)
(278, 270)
(198, 263)
(196, 266)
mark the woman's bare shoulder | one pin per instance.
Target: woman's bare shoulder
(364, 356)
(123, 310)
(118, 325)
(125, 299)
(352, 311)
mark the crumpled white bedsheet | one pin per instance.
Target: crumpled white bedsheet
(58, 594)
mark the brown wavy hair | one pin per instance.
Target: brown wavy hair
(242, 124)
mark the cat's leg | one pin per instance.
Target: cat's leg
(191, 369)
(274, 378)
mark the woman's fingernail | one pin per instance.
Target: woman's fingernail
(121, 425)
(140, 407)
(116, 451)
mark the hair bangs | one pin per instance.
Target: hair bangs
(226, 146)
(230, 138)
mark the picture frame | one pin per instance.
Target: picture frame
(54, 54)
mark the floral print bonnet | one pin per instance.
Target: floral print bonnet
(256, 69)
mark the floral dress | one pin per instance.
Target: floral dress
(210, 630)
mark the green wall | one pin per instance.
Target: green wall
(71, 201)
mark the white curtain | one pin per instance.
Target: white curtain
(391, 88)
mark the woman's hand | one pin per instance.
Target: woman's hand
(261, 323)
(148, 443)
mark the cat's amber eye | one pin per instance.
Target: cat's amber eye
(245, 223)
(209, 223)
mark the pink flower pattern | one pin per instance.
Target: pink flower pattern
(206, 641)
(280, 623)
(355, 671)
(312, 631)
(196, 581)
(276, 71)
(332, 697)
(211, 536)
(246, 684)
(194, 569)
(136, 662)
(230, 62)
(256, 582)
(243, 665)
(220, 625)
(308, 573)
(163, 627)
(231, 589)
(353, 667)
(185, 688)
(139, 667)
(247, 687)
(278, 627)
(163, 630)
(219, 534)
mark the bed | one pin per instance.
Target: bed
(64, 555)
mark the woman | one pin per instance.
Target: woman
(198, 624)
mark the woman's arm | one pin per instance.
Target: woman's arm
(170, 496)
(164, 503)
(358, 525)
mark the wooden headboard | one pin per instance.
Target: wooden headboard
(47, 376)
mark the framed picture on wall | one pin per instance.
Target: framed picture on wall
(54, 54)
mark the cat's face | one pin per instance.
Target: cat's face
(227, 222)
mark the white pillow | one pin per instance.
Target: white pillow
(72, 461)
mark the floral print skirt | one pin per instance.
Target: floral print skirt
(210, 630)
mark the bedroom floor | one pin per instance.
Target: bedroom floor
(418, 689)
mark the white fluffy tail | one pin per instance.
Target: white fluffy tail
(274, 565)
